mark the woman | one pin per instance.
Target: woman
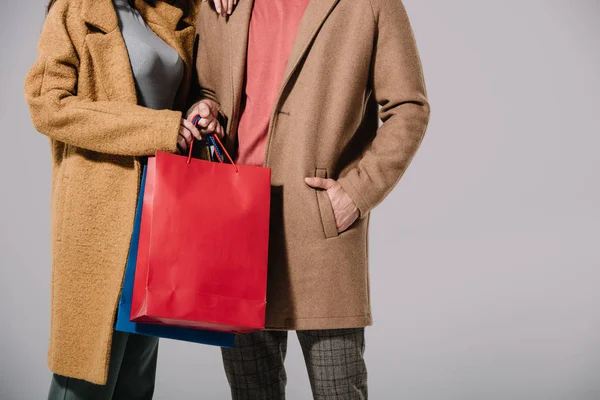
(107, 88)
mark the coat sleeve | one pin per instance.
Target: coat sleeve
(201, 78)
(399, 88)
(204, 82)
(111, 127)
(203, 85)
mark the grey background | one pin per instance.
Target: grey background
(485, 260)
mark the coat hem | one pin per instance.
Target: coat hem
(91, 377)
(319, 323)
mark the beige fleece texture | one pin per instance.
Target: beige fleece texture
(82, 96)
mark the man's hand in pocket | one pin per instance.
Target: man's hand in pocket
(344, 209)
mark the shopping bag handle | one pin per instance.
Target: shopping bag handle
(211, 139)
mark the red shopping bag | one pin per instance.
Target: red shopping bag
(203, 246)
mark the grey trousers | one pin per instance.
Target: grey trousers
(334, 360)
(131, 373)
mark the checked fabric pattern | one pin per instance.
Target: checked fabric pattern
(334, 360)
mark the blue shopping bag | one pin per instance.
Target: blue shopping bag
(123, 322)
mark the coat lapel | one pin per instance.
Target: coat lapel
(238, 26)
(314, 16)
(107, 50)
(107, 47)
(168, 22)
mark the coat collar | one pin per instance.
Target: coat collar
(101, 14)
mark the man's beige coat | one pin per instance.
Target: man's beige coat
(348, 58)
(82, 96)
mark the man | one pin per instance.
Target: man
(297, 85)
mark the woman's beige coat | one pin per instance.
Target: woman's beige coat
(82, 96)
(348, 58)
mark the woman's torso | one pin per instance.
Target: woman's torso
(156, 67)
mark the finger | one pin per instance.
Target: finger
(341, 220)
(224, 8)
(235, 2)
(204, 110)
(217, 4)
(339, 225)
(193, 113)
(203, 123)
(229, 6)
(187, 136)
(182, 144)
(215, 130)
(319, 183)
(192, 129)
(219, 131)
(211, 127)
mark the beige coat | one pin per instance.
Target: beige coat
(82, 96)
(349, 56)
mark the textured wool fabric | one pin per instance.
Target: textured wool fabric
(81, 95)
(348, 57)
(273, 27)
(334, 361)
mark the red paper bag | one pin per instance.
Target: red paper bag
(203, 247)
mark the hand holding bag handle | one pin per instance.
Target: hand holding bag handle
(211, 141)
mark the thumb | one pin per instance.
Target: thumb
(319, 183)
(203, 109)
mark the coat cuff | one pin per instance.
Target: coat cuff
(167, 134)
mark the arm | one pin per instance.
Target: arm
(199, 88)
(112, 127)
(202, 93)
(399, 88)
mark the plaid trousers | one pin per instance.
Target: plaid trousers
(334, 360)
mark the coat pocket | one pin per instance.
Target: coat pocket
(325, 208)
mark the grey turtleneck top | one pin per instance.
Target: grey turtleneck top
(157, 68)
